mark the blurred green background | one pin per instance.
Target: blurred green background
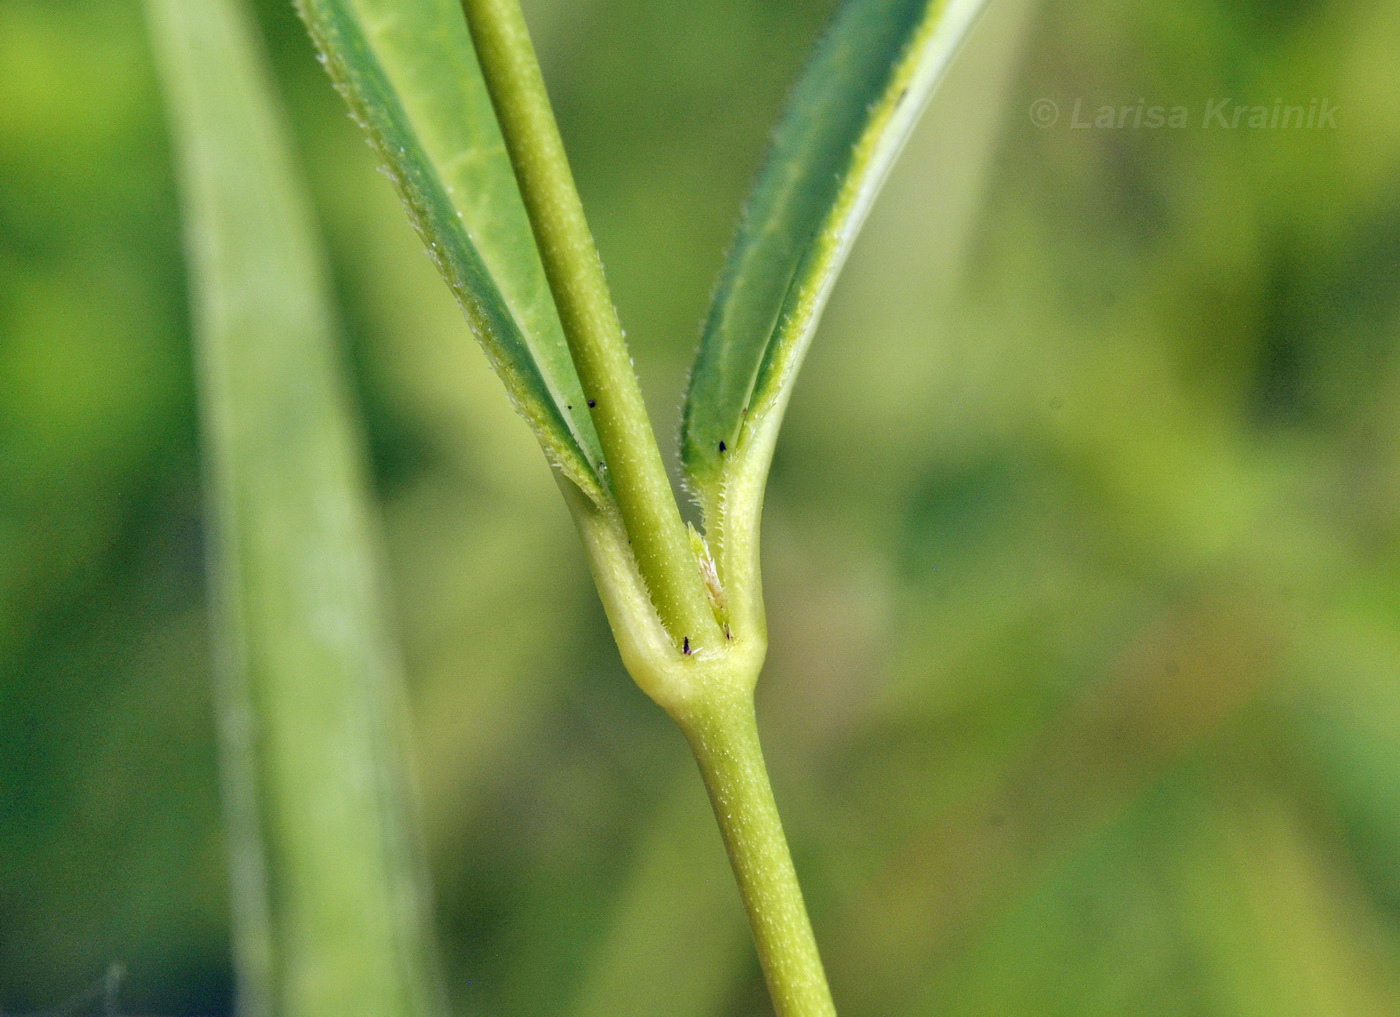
(1082, 544)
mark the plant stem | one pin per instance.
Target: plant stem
(718, 720)
(723, 734)
(636, 473)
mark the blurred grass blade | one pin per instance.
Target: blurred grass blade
(408, 70)
(849, 116)
(328, 896)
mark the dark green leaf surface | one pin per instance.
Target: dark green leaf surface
(847, 120)
(408, 70)
(327, 892)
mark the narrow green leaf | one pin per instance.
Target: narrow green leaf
(409, 72)
(328, 895)
(850, 114)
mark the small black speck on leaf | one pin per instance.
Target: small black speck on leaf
(685, 645)
(592, 403)
(722, 447)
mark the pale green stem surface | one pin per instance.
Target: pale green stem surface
(642, 557)
(636, 474)
(723, 734)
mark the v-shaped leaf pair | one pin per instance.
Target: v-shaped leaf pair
(309, 676)
(411, 77)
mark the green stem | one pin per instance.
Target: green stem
(636, 473)
(723, 734)
(716, 716)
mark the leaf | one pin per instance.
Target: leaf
(328, 897)
(847, 120)
(409, 72)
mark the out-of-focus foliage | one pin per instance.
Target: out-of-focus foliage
(329, 908)
(1082, 546)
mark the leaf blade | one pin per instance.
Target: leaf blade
(408, 71)
(328, 891)
(847, 120)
